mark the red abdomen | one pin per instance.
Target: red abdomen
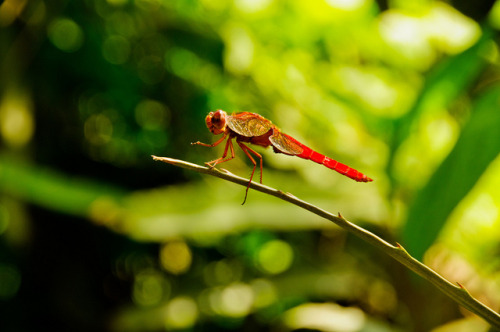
(343, 169)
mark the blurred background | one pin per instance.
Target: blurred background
(95, 236)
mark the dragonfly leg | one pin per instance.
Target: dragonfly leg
(229, 145)
(213, 144)
(247, 151)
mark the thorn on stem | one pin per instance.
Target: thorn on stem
(400, 247)
(462, 288)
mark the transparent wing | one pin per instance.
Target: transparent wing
(249, 124)
(286, 144)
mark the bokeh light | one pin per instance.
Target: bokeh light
(116, 50)
(66, 34)
(223, 272)
(234, 300)
(405, 91)
(175, 257)
(152, 114)
(275, 257)
(494, 16)
(16, 119)
(265, 293)
(324, 317)
(239, 54)
(150, 288)
(98, 129)
(181, 313)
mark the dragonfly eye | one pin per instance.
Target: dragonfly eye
(216, 118)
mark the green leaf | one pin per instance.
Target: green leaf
(477, 146)
(443, 85)
(52, 189)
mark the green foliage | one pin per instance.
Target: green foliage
(476, 148)
(407, 94)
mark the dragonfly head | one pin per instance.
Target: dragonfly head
(216, 122)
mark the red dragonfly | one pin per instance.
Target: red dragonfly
(253, 128)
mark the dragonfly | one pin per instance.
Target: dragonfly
(254, 129)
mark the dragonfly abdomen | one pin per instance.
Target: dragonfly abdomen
(346, 170)
(343, 169)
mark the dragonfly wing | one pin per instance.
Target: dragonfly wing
(249, 124)
(286, 144)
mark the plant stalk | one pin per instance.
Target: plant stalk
(457, 292)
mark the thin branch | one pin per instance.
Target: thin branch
(456, 292)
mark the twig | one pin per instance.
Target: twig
(456, 292)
